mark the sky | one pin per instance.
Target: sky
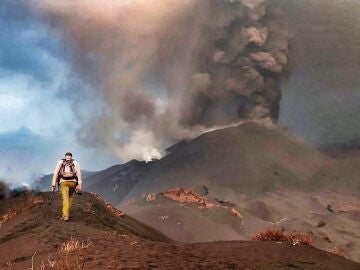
(37, 92)
(44, 103)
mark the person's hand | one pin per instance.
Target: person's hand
(53, 188)
(78, 188)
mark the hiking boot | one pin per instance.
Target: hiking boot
(66, 218)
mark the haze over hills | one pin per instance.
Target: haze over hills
(342, 150)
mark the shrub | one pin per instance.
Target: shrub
(19, 191)
(3, 190)
(294, 239)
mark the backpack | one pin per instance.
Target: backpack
(67, 170)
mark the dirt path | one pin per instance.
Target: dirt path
(124, 243)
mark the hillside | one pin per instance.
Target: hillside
(249, 158)
(97, 238)
(272, 178)
(115, 182)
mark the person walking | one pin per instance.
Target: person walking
(67, 175)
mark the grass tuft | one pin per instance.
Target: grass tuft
(72, 254)
(73, 245)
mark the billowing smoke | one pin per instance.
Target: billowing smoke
(169, 69)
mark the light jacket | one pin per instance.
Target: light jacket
(57, 170)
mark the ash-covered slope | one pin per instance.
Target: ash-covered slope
(249, 158)
(37, 212)
(117, 181)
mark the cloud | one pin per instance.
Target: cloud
(31, 75)
(39, 96)
(24, 43)
(27, 156)
(28, 103)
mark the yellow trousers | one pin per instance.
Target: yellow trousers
(67, 191)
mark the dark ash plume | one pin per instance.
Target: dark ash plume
(169, 70)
